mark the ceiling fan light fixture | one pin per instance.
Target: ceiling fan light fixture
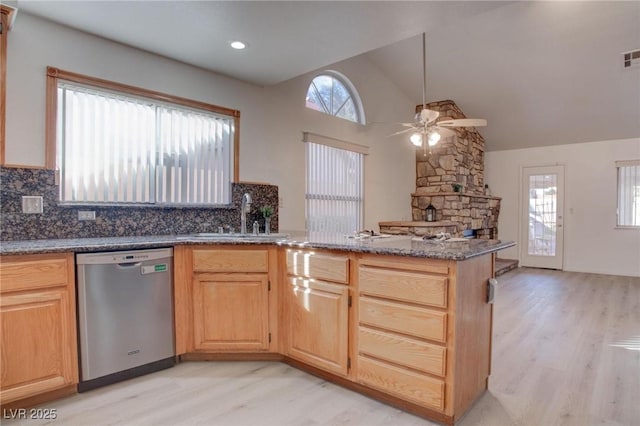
(416, 139)
(426, 132)
(434, 138)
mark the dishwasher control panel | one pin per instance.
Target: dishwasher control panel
(133, 256)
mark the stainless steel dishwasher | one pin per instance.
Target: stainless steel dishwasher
(125, 315)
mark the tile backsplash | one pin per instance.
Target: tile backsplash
(117, 221)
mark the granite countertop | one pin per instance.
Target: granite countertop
(394, 245)
(400, 245)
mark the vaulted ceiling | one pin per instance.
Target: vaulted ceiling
(541, 73)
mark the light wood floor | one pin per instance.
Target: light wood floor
(566, 351)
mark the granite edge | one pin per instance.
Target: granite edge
(84, 245)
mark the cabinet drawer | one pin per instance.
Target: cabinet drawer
(20, 273)
(406, 286)
(230, 260)
(318, 266)
(413, 320)
(414, 387)
(402, 350)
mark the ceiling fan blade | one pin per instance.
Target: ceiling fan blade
(401, 132)
(464, 122)
(444, 132)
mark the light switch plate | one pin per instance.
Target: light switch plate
(31, 204)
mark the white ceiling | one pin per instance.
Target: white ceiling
(542, 73)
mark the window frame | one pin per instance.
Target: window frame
(55, 74)
(619, 165)
(351, 89)
(7, 15)
(320, 140)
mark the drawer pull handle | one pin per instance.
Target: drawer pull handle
(491, 289)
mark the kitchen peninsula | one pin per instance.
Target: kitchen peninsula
(403, 321)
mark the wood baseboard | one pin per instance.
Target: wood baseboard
(372, 393)
(231, 356)
(32, 401)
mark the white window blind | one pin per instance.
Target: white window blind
(334, 189)
(628, 193)
(117, 148)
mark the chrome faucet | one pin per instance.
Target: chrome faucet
(244, 209)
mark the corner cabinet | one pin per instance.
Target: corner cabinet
(38, 322)
(223, 299)
(316, 306)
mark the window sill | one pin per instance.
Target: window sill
(634, 228)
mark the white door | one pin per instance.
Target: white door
(541, 227)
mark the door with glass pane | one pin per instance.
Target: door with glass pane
(541, 227)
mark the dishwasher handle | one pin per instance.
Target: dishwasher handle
(129, 265)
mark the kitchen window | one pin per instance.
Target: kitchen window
(628, 194)
(334, 185)
(118, 144)
(332, 93)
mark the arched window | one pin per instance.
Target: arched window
(333, 94)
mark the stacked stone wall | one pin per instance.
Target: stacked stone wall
(458, 159)
(477, 212)
(419, 228)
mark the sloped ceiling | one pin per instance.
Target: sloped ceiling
(541, 73)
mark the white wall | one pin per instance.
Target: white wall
(390, 165)
(272, 119)
(591, 241)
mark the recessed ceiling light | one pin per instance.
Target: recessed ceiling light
(238, 45)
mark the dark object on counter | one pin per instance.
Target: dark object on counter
(469, 233)
(430, 215)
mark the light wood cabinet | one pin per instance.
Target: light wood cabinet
(318, 323)
(417, 335)
(231, 312)
(424, 330)
(406, 351)
(409, 385)
(224, 300)
(316, 308)
(406, 286)
(38, 322)
(230, 260)
(403, 318)
(319, 266)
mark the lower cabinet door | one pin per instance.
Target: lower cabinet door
(231, 312)
(318, 324)
(38, 343)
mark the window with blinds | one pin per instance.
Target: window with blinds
(628, 193)
(334, 188)
(113, 147)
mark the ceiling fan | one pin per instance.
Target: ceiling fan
(425, 128)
